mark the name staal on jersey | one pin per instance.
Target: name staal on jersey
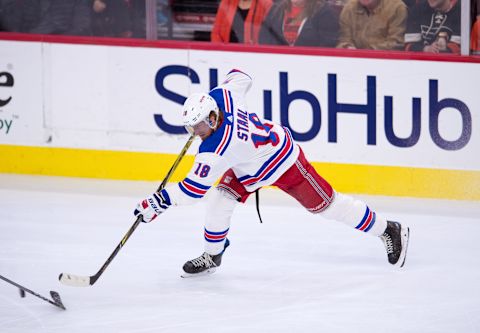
(257, 150)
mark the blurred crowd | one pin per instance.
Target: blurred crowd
(107, 18)
(431, 26)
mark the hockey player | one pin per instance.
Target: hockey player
(248, 152)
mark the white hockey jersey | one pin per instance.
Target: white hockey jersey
(257, 150)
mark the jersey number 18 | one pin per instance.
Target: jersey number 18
(266, 134)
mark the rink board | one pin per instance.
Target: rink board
(378, 126)
(350, 178)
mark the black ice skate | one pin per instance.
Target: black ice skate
(205, 264)
(395, 239)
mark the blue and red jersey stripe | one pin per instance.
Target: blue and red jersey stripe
(219, 141)
(273, 163)
(193, 189)
(227, 134)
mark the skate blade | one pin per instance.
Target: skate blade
(206, 272)
(405, 238)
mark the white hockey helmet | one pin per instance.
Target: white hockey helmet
(196, 110)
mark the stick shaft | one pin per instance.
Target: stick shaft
(29, 291)
(176, 163)
(130, 231)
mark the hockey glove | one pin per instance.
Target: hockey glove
(153, 206)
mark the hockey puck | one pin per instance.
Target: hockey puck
(22, 293)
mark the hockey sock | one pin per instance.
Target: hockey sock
(356, 214)
(220, 207)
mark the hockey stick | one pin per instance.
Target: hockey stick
(57, 301)
(85, 281)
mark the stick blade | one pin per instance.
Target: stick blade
(56, 298)
(74, 280)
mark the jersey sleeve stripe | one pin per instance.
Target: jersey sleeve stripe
(191, 190)
(187, 192)
(228, 101)
(225, 139)
(227, 135)
(195, 184)
(194, 189)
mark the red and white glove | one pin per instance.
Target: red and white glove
(153, 206)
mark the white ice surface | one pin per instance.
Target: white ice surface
(295, 273)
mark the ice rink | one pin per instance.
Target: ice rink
(296, 272)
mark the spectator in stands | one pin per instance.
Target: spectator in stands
(138, 17)
(65, 17)
(10, 15)
(475, 33)
(474, 10)
(475, 37)
(337, 5)
(410, 3)
(434, 26)
(373, 24)
(239, 21)
(337, 2)
(300, 23)
(111, 18)
(163, 12)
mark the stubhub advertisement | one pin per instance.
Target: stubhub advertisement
(342, 110)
